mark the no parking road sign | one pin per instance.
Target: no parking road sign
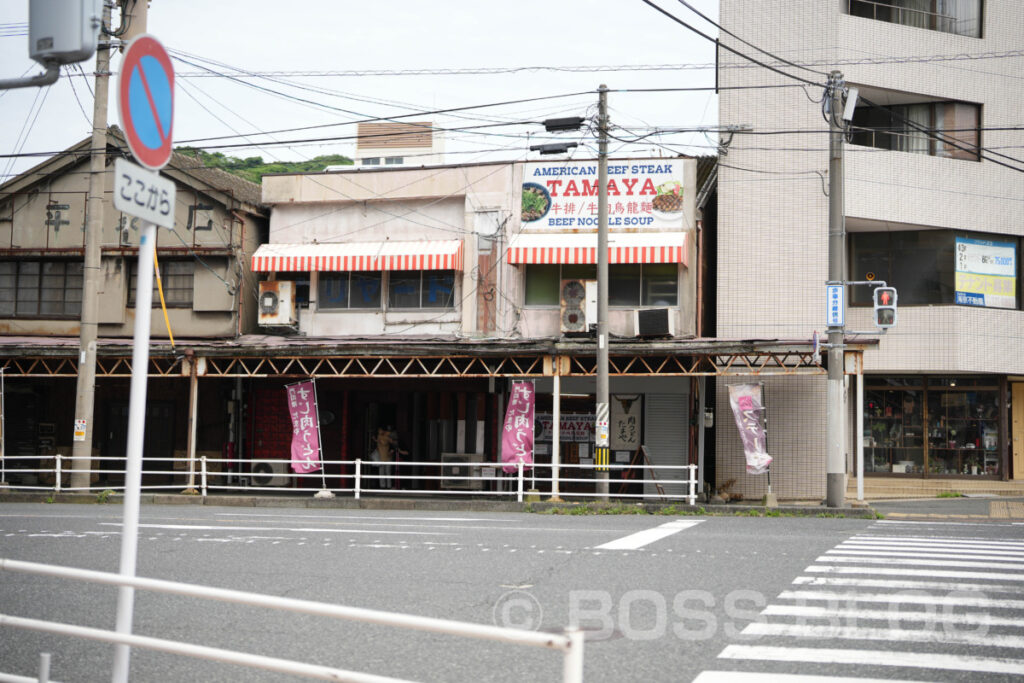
(145, 101)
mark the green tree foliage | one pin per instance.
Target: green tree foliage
(254, 168)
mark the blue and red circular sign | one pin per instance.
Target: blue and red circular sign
(145, 101)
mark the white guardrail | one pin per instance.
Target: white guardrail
(365, 477)
(570, 644)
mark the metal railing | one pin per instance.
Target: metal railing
(363, 477)
(907, 16)
(570, 643)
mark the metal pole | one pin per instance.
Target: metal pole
(359, 477)
(136, 430)
(324, 492)
(860, 435)
(601, 415)
(193, 410)
(836, 462)
(3, 431)
(556, 418)
(81, 450)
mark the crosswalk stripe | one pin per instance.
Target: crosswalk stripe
(890, 615)
(919, 660)
(912, 585)
(886, 634)
(934, 548)
(918, 553)
(945, 573)
(754, 677)
(929, 562)
(903, 598)
(938, 540)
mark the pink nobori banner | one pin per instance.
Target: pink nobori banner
(305, 427)
(517, 434)
(748, 408)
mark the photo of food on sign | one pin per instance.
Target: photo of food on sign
(563, 195)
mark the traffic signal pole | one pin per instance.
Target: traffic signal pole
(836, 458)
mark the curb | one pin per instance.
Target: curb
(349, 503)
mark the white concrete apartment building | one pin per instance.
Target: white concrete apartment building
(941, 221)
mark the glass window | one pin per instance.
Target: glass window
(421, 289)
(41, 288)
(365, 289)
(919, 264)
(333, 289)
(301, 280)
(394, 161)
(652, 284)
(404, 289)
(371, 161)
(946, 129)
(176, 278)
(439, 289)
(962, 17)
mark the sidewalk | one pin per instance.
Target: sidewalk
(900, 488)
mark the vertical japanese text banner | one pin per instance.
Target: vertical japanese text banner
(748, 409)
(305, 427)
(517, 434)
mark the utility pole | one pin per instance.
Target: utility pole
(836, 462)
(81, 451)
(601, 416)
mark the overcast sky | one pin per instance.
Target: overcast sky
(229, 36)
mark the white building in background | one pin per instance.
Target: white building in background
(939, 218)
(397, 143)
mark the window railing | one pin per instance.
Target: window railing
(907, 16)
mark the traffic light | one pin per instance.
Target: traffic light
(885, 307)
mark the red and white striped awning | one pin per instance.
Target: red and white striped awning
(625, 247)
(430, 255)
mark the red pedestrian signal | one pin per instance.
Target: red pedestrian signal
(885, 307)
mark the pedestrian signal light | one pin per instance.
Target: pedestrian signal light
(885, 307)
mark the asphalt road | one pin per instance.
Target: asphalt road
(910, 600)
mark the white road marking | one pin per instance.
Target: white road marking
(920, 660)
(885, 571)
(647, 536)
(913, 522)
(937, 540)
(922, 548)
(360, 517)
(903, 598)
(298, 529)
(889, 635)
(891, 615)
(912, 585)
(937, 553)
(930, 563)
(750, 677)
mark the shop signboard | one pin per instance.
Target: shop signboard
(986, 273)
(571, 428)
(561, 196)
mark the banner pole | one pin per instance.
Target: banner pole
(322, 493)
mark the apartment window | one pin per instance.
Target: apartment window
(176, 278)
(349, 290)
(371, 161)
(649, 284)
(421, 289)
(945, 129)
(962, 17)
(394, 161)
(50, 289)
(938, 267)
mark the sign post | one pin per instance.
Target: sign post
(146, 106)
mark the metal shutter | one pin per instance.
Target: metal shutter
(666, 439)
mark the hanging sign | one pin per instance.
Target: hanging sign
(986, 273)
(517, 433)
(305, 427)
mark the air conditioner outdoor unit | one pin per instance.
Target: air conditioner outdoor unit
(277, 303)
(578, 306)
(272, 473)
(653, 322)
(459, 465)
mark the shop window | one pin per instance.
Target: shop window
(932, 425)
(48, 289)
(632, 285)
(944, 129)
(937, 267)
(421, 289)
(354, 289)
(962, 17)
(176, 278)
